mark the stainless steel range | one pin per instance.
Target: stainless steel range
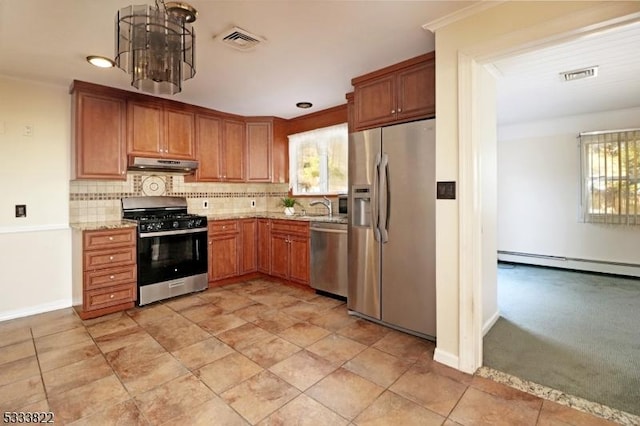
(171, 247)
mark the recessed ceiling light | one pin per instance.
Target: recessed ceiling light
(100, 61)
(304, 104)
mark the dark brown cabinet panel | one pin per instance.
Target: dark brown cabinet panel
(264, 246)
(224, 243)
(249, 233)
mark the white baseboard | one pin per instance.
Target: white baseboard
(490, 322)
(33, 310)
(604, 267)
(446, 358)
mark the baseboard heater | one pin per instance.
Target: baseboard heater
(604, 266)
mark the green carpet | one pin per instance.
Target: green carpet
(575, 332)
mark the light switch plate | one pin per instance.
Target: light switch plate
(21, 210)
(446, 190)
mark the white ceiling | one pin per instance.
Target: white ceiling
(313, 50)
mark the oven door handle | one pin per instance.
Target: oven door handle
(172, 232)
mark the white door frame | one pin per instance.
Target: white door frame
(599, 18)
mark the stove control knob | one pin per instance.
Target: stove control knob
(190, 223)
(176, 224)
(198, 223)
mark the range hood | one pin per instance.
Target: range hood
(167, 165)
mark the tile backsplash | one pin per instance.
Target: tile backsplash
(99, 200)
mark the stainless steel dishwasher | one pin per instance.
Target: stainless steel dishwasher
(329, 257)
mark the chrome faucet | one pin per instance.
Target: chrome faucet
(325, 202)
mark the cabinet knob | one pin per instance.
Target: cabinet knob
(110, 257)
(112, 277)
(110, 238)
(112, 296)
(393, 111)
(399, 109)
(224, 226)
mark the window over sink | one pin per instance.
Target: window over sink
(318, 161)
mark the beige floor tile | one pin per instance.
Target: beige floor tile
(232, 302)
(303, 369)
(202, 312)
(54, 322)
(129, 357)
(21, 393)
(392, 409)
(304, 334)
(123, 338)
(16, 351)
(500, 390)
(221, 323)
(244, 336)
(147, 314)
(227, 372)
(304, 411)
(181, 303)
(554, 414)
(123, 413)
(259, 396)
(19, 369)
(60, 357)
(377, 366)
(88, 399)
(437, 393)
(274, 321)
(75, 375)
(274, 299)
(345, 393)
(333, 319)
(299, 293)
(35, 407)
(173, 399)
(325, 303)
(403, 345)
(269, 351)
(481, 408)
(155, 372)
(336, 349)
(303, 311)
(251, 312)
(365, 332)
(213, 412)
(202, 353)
(62, 339)
(176, 333)
(115, 325)
(11, 334)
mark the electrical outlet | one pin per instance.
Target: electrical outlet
(253, 203)
(205, 204)
(21, 210)
(28, 130)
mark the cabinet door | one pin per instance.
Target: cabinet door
(209, 146)
(299, 259)
(259, 136)
(145, 128)
(248, 231)
(234, 152)
(416, 91)
(99, 137)
(179, 134)
(375, 102)
(264, 246)
(280, 255)
(224, 257)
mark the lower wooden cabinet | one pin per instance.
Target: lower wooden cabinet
(264, 246)
(224, 241)
(104, 271)
(248, 248)
(290, 250)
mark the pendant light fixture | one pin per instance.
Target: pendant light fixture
(156, 45)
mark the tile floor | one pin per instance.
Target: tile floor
(257, 352)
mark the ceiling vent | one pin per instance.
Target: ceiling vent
(579, 74)
(240, 39)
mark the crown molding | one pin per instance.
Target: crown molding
(461, 14)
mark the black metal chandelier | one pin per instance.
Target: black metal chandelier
(156, 45)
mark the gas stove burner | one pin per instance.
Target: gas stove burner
(155, 214)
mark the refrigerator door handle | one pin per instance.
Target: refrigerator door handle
(375, 208)
(384, 166)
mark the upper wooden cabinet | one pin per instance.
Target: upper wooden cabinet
(259, 140)
(99, 131)
(155, 129)
(220, 149)
(395, 94)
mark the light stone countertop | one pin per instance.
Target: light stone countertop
(101, 226)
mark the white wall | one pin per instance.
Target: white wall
(509, 26)
(539, 194)
(35, 252)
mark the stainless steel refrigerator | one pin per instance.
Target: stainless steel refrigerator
(391, 234)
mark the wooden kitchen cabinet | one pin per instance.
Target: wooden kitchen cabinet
(290, 250)
(264, 246)
(220, 146)
(267, 150)
(249, 248)
(104, 271)
(395, 94)
(160, 130)
(224, 242)
(98, 134)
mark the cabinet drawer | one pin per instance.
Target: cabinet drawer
(111, 238)
(110, 296)
(109, 277)
(290, 227)
(106, 258)
(223, 227)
